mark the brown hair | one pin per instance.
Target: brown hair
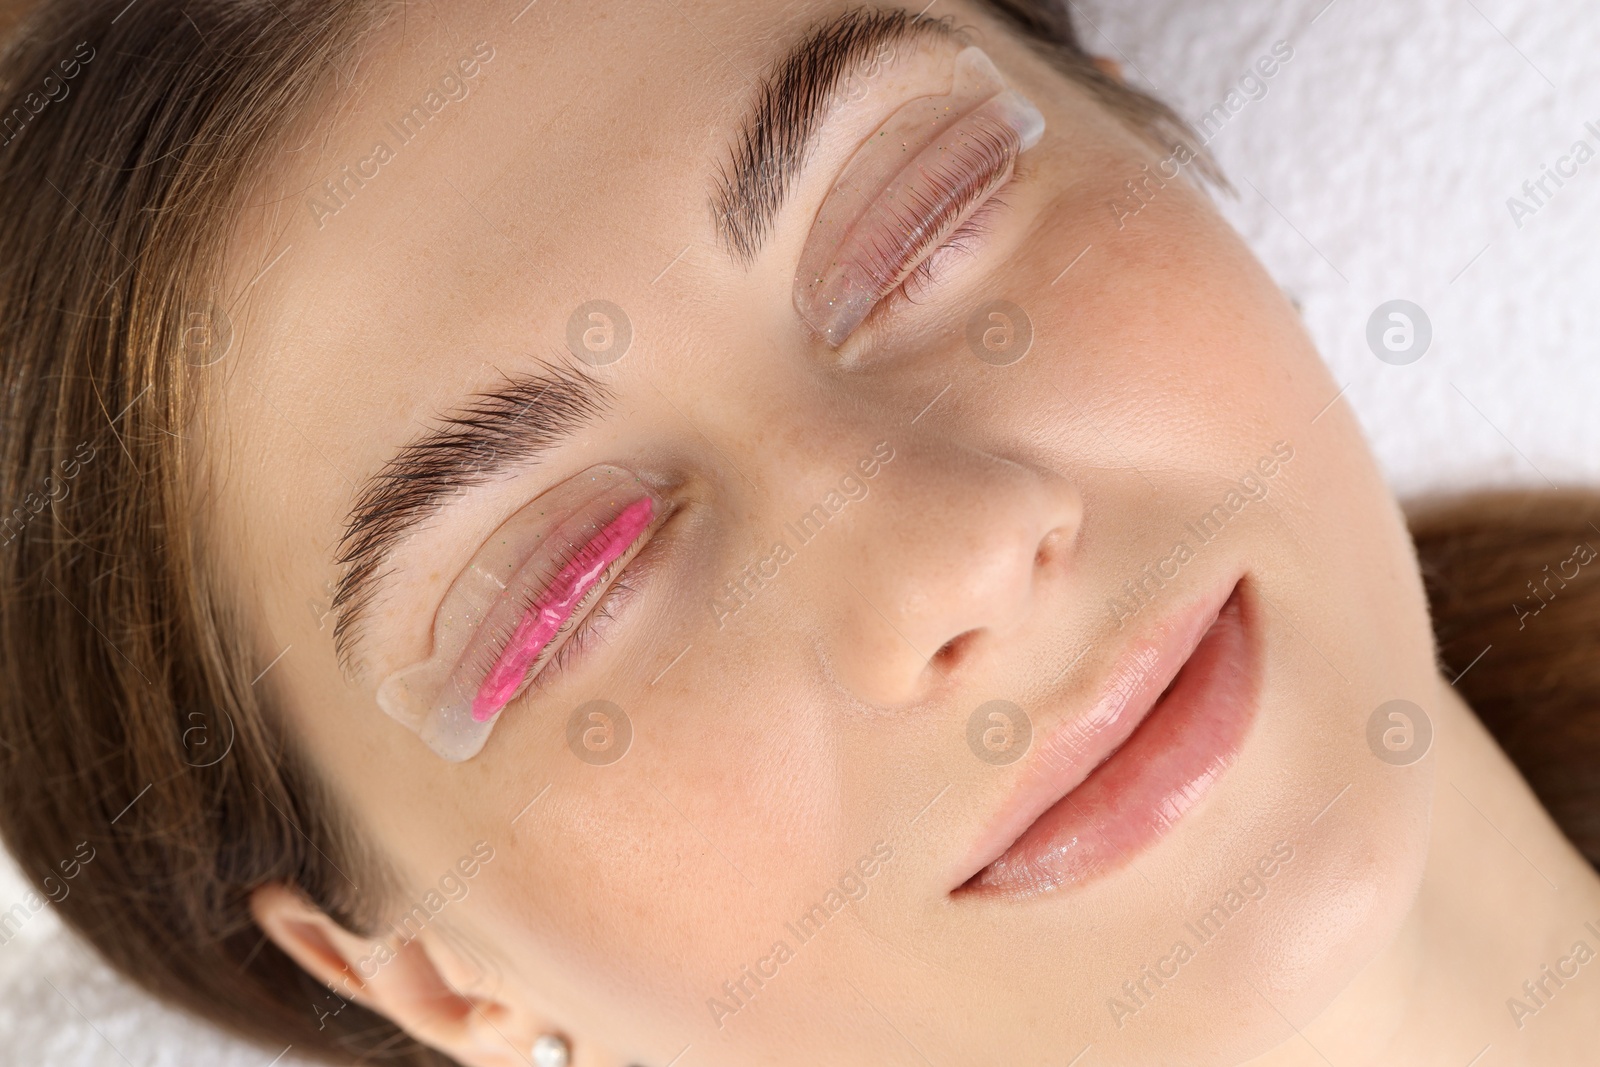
(130, 132)
(130, 730)
(1512, 581)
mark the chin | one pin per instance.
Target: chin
(1345, 903)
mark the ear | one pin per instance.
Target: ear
(411, 981)
(1109, 67)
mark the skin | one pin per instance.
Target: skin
(829, 714)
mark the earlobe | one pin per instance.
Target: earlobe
(407, 980)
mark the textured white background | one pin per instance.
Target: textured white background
(1376, 167)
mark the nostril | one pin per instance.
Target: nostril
(1051, 547)
(951, 652)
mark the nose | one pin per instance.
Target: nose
(956, 556)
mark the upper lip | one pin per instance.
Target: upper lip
(1066, 755)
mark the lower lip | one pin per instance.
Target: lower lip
(1166, 767)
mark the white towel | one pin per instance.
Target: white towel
(1378, 165)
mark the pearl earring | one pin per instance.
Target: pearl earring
(551, 1051)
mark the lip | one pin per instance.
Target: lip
(1104, 785)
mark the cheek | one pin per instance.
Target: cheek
(666, 872)
(1175, 329)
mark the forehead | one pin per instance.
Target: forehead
(505, 152)
(474, 173)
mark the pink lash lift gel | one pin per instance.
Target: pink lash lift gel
(504, 616)
(555, 606)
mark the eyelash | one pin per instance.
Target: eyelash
(951, 190)
(930, 272)
(583, 634)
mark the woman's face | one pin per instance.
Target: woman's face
(775, 843)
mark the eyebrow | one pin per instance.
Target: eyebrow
(492, 433)
(792, 100)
